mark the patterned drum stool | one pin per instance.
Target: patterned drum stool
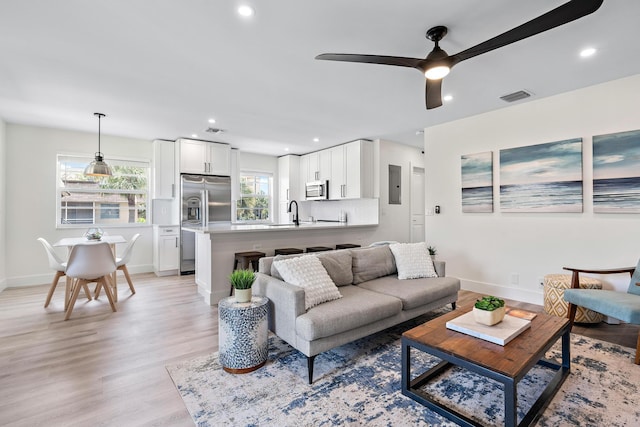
(554, 303)
(243, 333)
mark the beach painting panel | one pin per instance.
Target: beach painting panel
(616, 172)
(542, 178)
(477, 182)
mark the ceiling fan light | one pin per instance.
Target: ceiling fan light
(436, 73)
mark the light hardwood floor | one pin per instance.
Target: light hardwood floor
(108, 369)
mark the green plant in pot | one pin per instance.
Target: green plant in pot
(489, 310)
(242, 280)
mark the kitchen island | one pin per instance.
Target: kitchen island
(217, 244)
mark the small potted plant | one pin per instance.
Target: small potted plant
(242, 280)
(432, 252)
(489, 310)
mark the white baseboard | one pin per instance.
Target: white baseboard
(523, 295)
(44, 279)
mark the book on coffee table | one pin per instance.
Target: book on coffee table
(500, 333)
(518, 312)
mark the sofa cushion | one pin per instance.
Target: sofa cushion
(414, 293)
(357, 307)
(371, 263)
(337, 264)
(308, 273)
(412, 260)
(274, 269)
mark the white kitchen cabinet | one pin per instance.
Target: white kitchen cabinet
(202, 157)
(337, 180)
(164, 185)
(309, 167)
(166, 250)
(289, 186)
(324, 165)
(351, 171)
(315, 166)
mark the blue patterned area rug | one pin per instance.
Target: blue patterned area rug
(359, 384)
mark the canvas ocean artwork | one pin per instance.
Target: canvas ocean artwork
(542, 178)
(616, 172)
(477, 182)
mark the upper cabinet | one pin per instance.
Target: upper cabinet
(289, 186)
(206, 158)
(164, 186)
(347, 167)
(351, 171)
(315, 166)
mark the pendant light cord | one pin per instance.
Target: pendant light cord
(100, 116)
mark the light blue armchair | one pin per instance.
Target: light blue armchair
(619, 305)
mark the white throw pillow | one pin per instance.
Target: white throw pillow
(413, 260)
(308, 273)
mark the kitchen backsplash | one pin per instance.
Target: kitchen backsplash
(358, 211)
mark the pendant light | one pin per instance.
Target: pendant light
(98, 167)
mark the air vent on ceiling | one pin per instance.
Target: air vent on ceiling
(214, 130)
(516, 96)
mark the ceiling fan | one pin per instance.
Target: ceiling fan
(438, 63)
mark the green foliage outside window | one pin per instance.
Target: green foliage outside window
(118, 199)
(255, 198)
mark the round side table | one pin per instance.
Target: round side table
(243, 334)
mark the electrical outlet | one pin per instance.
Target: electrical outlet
(257, 246)
(515, 278)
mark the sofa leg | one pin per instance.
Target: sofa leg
(453, 305)
(310, 360)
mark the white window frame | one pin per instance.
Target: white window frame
(112, 161)
(254, 173)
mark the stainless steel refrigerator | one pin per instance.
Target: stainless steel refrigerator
(205, 200)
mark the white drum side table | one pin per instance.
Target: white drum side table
(243, 334)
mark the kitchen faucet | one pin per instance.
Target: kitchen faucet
(296, 222)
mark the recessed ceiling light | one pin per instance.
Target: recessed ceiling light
(212, 120)
(588, 52)
(286, 149)
(316, 139)
(448, 98)
(193, 135)
(245, 10)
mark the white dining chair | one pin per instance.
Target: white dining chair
(89, 263)
(60, 267)
(121, 264)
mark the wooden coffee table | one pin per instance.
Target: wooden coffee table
(506, 364)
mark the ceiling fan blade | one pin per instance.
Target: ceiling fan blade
(561, 15)
(372, 59)
(433, 93)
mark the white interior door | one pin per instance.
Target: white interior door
(417, 205)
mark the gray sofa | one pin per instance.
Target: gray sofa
(373, 299)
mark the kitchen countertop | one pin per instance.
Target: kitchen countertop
(229, 228)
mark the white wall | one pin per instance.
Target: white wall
(31, 197)
(3, 181)
(486, 250)
(395, 220)
(259, 163)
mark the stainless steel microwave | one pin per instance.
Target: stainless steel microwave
(317, 190)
